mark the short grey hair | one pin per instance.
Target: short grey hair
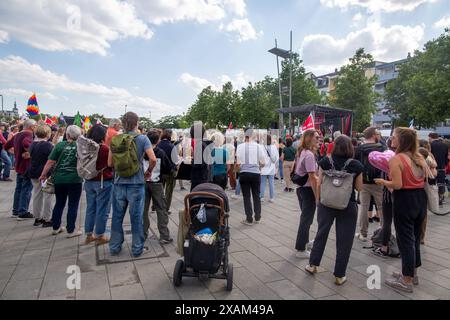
(114, 122)
(73, 132)
(29, 123)
(336, 134)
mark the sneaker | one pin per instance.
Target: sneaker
(286, 190)
(291, 190)
(360, 237)
(380, 253)
(397, 274)
(144, 251)
(399, 284)
(38, 222)
(75, 233)
(309, 245)
(247, 222)
(340, 281)
(262, 200)
(14, 215)
(25, 216)
(47, 224)
(89, 238)
(183, 189)
(234, 196)
(371, 220)
(376, 219)
(311, 269)
(101, 240)
(257, 221)
(60, 230)
(169, 212)
(165, 241)
(271, 200)
(302, 254)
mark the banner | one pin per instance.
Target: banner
(309, 123)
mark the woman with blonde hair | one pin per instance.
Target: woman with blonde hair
(220, 158)
(306, 164)
(407, 171)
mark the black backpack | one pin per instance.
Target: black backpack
(370, 172)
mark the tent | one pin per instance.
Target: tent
(327, 119)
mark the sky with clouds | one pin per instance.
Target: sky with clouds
(155, 56)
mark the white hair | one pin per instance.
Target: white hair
(218, 139)
(336, 134)
(29, 123)
(73, 132)
(114, 122)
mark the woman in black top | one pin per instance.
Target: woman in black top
(39, 152)
(345, 219)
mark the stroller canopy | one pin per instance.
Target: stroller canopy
(214, 188)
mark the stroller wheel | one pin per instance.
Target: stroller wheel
(230, 277)
(177, 273)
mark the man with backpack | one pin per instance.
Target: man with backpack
(126, 156)
(369, 188)
(154, 190)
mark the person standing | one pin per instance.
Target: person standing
(113, 130)
(21, 143)
(268, 171)
(98, 191)
(250, 158)
(129, 183)
(4, 158)
(68, 185)
(306, 164)
(288, 158)
(281, 146)
(220, 157)
(407, 172)
(40, 150)
(345, 219)
(370, 188)
(440, 152)
(199, 172)
(169, 181)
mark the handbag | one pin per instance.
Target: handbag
(50, 182)
(431, 189)
(297, 179)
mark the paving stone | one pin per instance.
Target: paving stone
(251, 286)
(122, 274)
(94, 286)
(22, 290)
(288, 291)
(257, 267)
(6, 272)
(128, 292)
(55, 281)
(155, 281)
(29, 271)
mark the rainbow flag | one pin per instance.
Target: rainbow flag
(33, 108)
(87, 124)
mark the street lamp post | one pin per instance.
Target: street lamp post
(125, 108)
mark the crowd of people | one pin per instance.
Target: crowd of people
(122, 167)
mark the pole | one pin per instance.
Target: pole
(2, 103)
(290, 85)
(281, 115)
(125, 108)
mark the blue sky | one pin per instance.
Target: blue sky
(155, 56)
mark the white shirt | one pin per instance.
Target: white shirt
(269, 168)
(250, 156)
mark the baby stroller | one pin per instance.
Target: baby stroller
(208, 237)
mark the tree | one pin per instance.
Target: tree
(354, 90)
(199, 111)
(223, 110)
(146, 123)
(422, 89)
(171, 122)
(94, 117)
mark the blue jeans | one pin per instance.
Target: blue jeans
(22, 195)
(238, 188)
(71, 191)
(263, 186)
(124, 195)
(97, 205)
(280, 169)
(4, 157)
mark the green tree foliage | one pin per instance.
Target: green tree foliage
(354, 90)
(422, 89)
(170, 122)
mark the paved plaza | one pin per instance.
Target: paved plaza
(33, 263)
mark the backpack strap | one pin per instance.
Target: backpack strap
(347, 163)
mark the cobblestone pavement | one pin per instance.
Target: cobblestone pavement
(33, 263)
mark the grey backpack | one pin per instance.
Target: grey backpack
(336, 187)
(87, 153)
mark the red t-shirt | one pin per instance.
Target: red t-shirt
(102, 162)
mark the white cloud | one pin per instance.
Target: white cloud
(243, 29)
(16, 92)
(92, 25)
(442, 23)
(198, 84)
(195, 83)
(357, 17)
(377, 5)
(323, 53)
(4, 37)
(19, 72)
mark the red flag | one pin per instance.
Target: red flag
(48, 121)
(309, 123)
(54, 119)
